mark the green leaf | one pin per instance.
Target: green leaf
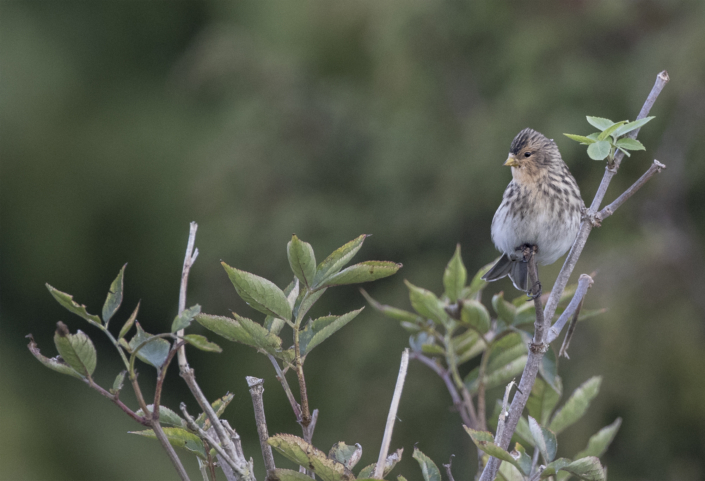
(599, 122)
(588, 469)
(522, 430)
(302, 260)
(275, 324)
(426, 303)
(576, 405)
(599, 442)
(304, 454)
(433, 349)
(290, 475)
(625, 129)
(478, 283)
(218, 406)
(128, 324)
(118, 382)
(544, 439)
(392, 312)
(555, 466)
(599, 150)
(496, 378)
(154, 352)
(348, 455)
(166, 416)
(114, 299)
(455, 276)
(246, 331)
(179, 438)
(389, 463)
(259, 293)
(184, 318)
(363, 272)
(467, 345)
(55, 363)
(505, 310)
(549, 369)
(608, 131)
(523, 460)
(542, 401)
(305, 301)
(67, 301)
(202, 343)
(594, 136)
(76, 349)
(334, 262)
(322, 328)
(509, 472)
(630, 144)
(485, 442)
(429, 470)
(474, 314)
(580, 138)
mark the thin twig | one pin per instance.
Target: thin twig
(190, 258)
(191, 423)
(655, 168)
(468, 420)
(242, 469)
(285, 385)
(448, 466)
(162, 374)
(540, 324)
(159, 432)
(115, 399)
(256, 390)
(569, 332)
(392, 416)
(584, 283)
(536, 353)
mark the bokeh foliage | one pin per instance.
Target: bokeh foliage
(122, 122)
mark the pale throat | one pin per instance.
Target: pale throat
(528, 174)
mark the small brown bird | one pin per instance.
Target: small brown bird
(541, 209)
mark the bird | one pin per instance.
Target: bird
(541, 210)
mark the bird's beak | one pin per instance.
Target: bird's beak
(511, 161)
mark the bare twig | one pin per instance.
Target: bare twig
(190, 258)
(285, 385)
(655, 168)
(256, 390)
(241, 465)
(391, 417)
(469, 418)
(569, 332)
(448, 466)
(115, 399)
(537, 351)
(540, 324)
(162, 374)
(191, 423)
(584, 283)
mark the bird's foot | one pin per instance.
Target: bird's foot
(526, 250)
(535, 291)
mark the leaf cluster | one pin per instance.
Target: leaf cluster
(611, 137)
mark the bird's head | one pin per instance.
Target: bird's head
(531, 152)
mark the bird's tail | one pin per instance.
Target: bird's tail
(517, 270)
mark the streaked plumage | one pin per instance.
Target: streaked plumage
(541, 207)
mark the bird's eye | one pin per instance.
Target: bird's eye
(527, 154)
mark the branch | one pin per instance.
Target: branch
(655, 168)
(190, 258)
(285, 385)
(191, 423)
(447, 466)
(469, 417)
(391, 417)
(584, 283)
(537, 351)
(240, 464)
(159, 432)
(256, 390)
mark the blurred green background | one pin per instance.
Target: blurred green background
(120, 122)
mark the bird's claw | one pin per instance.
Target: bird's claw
(535, 291)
